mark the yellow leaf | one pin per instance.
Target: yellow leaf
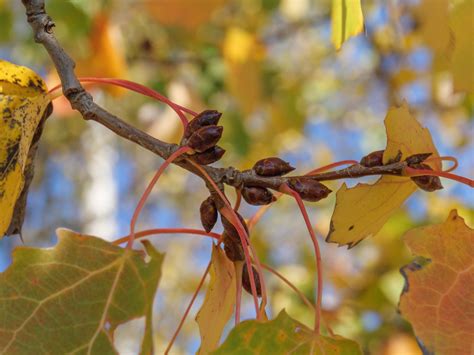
(218, 303)
(462, 20)
(346, 20)
(438, 298)
(361, 211)
(242, 55)
(434, 24)
(23, 100)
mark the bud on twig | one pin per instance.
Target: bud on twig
(309, 189)
(257, 196)
(372, 159)
(205, 118)
(428, 183)
(246, 281)
(205, 138)
(230, 230)
(209, 156)
(417, 158)
(233, 249)
(208, 211)
(272, 166)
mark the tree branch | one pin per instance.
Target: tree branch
(82, 101)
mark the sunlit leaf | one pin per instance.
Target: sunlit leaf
(71, 298)
(346, 20)
(219, 302)
(283, 335)
(361, 211)
(23, 102)
(242, 55)
(438, 298)
(434, 24)
(461, 21)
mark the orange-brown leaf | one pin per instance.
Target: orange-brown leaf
(438, 299)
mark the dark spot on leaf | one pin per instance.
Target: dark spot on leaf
(12, 158)
(351, 227)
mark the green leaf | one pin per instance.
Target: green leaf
(283, 335)
(71, 298)
(346, 20)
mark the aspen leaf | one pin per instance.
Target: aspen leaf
(23, 103)
(438, 298)
(347, 20)
(361, 211)
(283, 335)
(218, 303)
(71, 298)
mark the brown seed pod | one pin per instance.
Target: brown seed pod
(426, 182)
(246, 281)
(373, 159)
(233, 249)
(209, 156)
(231, 231)
(257, 196)
(205, 118)
(208, 212)
(417, 158)
(272, 166)
(205, 137)
(309, 189)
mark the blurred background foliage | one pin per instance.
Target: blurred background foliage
(270, 67)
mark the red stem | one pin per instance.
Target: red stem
(286, 189)
(228, 212)
(420, 172)
(185, 315)
(149, 232)
(447, 158)
(238, 199)
(147, 192)
(256, 217)
(238, 291)
(142, 90)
